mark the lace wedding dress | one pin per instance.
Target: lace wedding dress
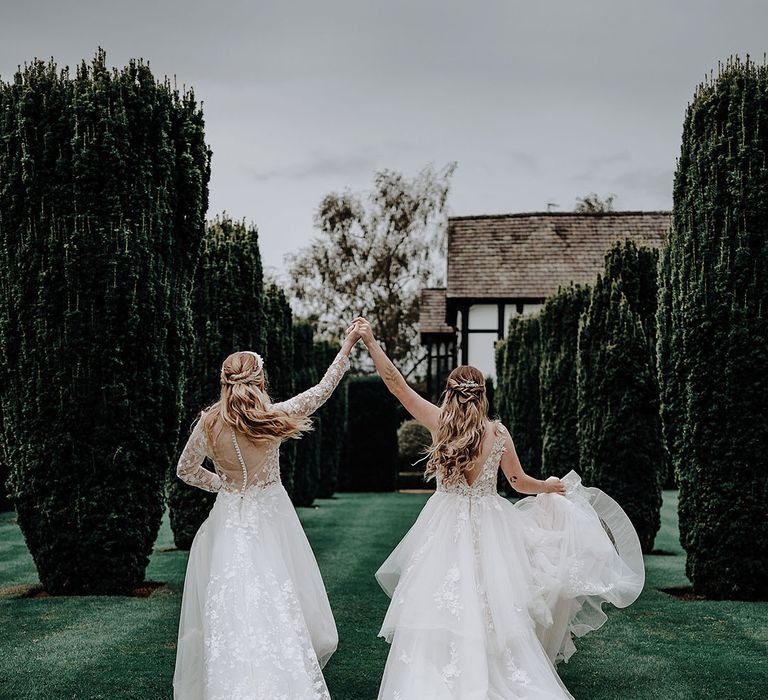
(487, 595)
(255, 620)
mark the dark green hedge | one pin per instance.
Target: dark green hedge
(619, 428)
(713, 333)
(334, 416)
(103, 193)
(559, 334)
(278, 360)
(306, 477)
(369, 457)
(5, 499)
(228, 316)
(517, 402)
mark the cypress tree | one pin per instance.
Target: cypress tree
(518, 389)
(306, 478)
(279, 363)
(228, 316)
(619, 427)
(499, 407)
(334, 416)
(103, 192)
(559, 327)
(713, 343)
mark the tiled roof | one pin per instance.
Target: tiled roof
(529, 255)
(432, 312)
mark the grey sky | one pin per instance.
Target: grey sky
(538, 102)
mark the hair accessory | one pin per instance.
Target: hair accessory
(470, 384)
(259, 359)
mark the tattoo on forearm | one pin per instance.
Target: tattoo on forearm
(390, 375)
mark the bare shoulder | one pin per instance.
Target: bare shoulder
(502, 432)
(500, 428)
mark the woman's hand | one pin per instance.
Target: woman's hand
(364, 329)
(554, 485)
(352, 336)
(353, 333)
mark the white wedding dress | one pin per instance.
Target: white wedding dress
(255, 620)
(487, 596)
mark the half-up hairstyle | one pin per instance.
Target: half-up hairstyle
(460, 430)
(245, 405)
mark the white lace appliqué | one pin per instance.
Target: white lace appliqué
(274, 641)
(307, 402)
(447, 597)
(451, 671)
(190, 467)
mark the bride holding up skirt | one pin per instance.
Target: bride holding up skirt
(488, 595)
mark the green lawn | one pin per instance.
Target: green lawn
(123, 648)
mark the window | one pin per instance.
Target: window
(482, 353)
(531, 308)
(483, 316)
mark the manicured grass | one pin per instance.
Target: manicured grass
(115, 648)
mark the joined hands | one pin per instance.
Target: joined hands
(360, 328)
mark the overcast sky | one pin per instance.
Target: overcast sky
(538, 101)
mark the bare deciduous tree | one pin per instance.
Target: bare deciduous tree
(373, 255)
(594, 204)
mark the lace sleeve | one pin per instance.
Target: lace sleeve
(190, 467)
(310, 400)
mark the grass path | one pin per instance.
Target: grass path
(113, 648)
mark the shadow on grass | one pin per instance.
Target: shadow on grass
(35, 590)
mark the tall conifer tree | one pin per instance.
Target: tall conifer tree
(103, 192)
(713, 333)
(619, 428)
(559, 329)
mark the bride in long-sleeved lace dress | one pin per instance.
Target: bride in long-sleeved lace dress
(486, 595)
(255, 620)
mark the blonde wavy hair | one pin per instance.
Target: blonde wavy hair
(245, 405)
(458, 440)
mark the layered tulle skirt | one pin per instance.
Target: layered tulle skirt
(487, 595)
(255, 619)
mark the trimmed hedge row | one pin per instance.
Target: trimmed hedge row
(278, 361)
(306, 478)
(369, 457)
(559, 335)
(334, 415)
(517, 393)
(713, 333)
(577, 386)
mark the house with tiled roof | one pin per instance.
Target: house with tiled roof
(501, 266)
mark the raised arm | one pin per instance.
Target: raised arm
(309, 401)
(190, 468)
(422, 410)
(518, 479)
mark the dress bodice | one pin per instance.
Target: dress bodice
(486, 482)
(241, 463)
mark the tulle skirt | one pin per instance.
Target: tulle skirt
(255, 619)
(487, 595)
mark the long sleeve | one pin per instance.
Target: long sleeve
(190, 467)
(310, 400)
